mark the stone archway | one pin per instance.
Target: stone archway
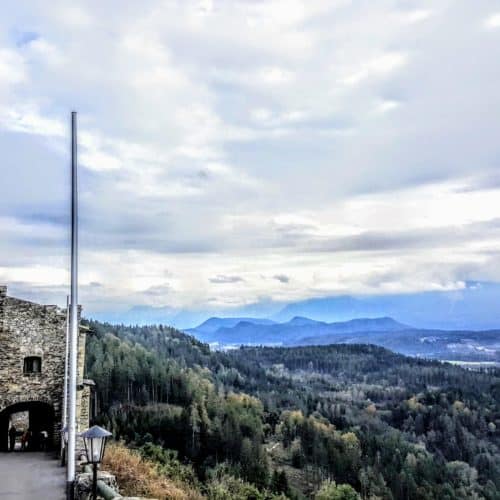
(32, 365)
(41, 417)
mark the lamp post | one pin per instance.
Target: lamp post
(94, 440)
(64, 439)
(66, 365)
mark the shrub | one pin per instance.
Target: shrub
(138, 476)
(331, 491)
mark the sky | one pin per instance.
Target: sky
(245, 151)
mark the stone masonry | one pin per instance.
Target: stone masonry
(32, 330)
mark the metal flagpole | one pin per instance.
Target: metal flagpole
(65, 397)
(73, 344)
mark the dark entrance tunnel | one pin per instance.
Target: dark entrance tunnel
(40, 420)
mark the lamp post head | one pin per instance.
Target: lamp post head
(94, 440)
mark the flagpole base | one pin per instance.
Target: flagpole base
(70, 490)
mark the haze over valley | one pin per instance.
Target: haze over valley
(460, 325)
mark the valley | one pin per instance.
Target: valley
(269, 423)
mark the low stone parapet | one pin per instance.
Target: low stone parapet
(107, 487)
(106, 482)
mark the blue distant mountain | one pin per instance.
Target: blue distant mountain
(475, 307)
(149, 315)
(454, 345)
(301, 321)
(457, 345)
(213, 324)
(255, 331)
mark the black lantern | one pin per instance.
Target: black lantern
(94, 440)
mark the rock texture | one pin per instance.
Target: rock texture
(83, 484)
(28, 329)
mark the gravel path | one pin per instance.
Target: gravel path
(31, 476)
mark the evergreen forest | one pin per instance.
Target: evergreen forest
(320, 422)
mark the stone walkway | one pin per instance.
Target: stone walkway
(31, 476)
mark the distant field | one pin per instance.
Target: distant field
(473, 364)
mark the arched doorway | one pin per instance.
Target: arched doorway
(36, 416)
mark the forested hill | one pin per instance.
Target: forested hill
(287, 422)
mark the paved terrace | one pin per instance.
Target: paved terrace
(31, 476)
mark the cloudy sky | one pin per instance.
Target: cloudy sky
(234, 152)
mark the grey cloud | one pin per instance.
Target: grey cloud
(221, 278)
(43, 294)
(397, 240)
(158, 291)
(319, 146)
(282, 278)
(376, 278)
(56, 219)
(485, 181)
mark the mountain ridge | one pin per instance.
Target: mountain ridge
(473, 306)
(465, 345)
(254, 330)
(214, 323)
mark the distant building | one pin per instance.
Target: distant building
(32, 359)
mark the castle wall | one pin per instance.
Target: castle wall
(29, 329)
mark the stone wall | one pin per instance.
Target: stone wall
(83, 408)
(29, 329)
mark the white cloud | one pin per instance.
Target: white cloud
(386, 105)
(29, 121)
(275, 76)
(493, 21)
(47, 52)
(378, 66)
(416, 16)
(261, 114)
(341, 146)
(73, 16)
(12, 69)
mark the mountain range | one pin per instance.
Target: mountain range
(461, 324)
(457, 345)
(249, 331)
(475, 306)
